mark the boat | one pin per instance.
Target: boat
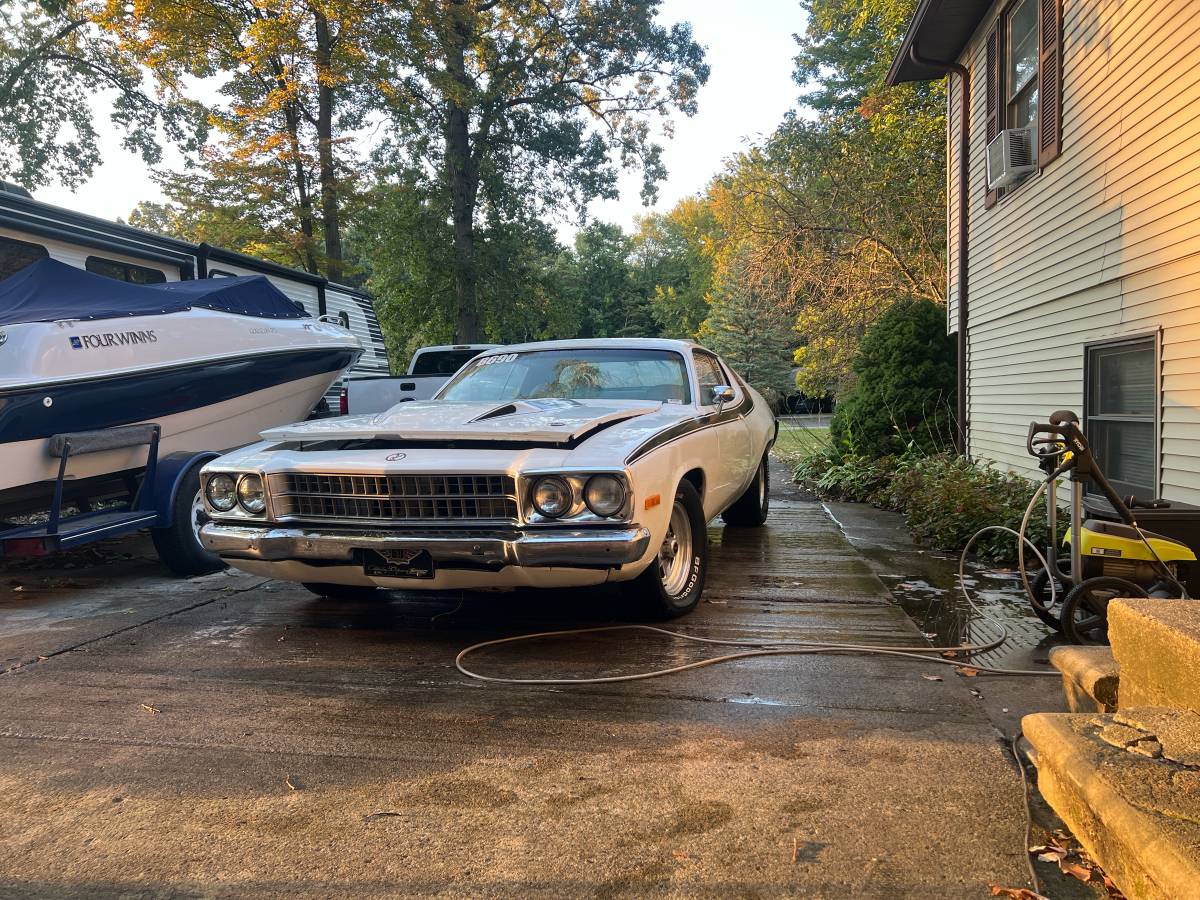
(211, 362)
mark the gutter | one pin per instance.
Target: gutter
(964, 193)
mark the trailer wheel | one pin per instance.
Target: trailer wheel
(178, 544)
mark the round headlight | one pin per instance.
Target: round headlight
(552, 496)
(221, 493)
(604, 495)
(250, 494)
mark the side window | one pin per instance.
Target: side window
(112, 268)
(1121, 402)
(16, 255)
(708, 376)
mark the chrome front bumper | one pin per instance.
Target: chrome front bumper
(592, 549)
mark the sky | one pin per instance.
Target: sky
(749, 47)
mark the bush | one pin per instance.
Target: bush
(945, 498)
(904, 394)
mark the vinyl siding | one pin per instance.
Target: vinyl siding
(76, 255)
(1105, 242)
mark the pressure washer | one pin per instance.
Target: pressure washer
(1106, 558)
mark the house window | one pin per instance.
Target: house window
(16, 255)
(1021, 65)
(1122, 402)
(111, 268)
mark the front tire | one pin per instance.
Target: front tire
(750, 510)
(178, 544)
(673, 582)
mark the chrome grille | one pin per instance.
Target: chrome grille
(393, 498)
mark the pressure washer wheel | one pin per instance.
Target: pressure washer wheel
(1085, 611)
(1047, 609)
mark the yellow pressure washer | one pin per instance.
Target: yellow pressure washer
(1107, 559)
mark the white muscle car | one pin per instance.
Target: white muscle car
(554, 464)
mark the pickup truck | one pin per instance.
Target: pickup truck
(428, 370)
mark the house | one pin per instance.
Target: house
(31, 230)
(1073, 277)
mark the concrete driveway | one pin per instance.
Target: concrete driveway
(226, 736)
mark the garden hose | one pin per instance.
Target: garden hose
(764, 647)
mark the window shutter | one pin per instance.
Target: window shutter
(1049, 124)
(993, 102)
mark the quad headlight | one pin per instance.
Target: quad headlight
(250, 494)
(604, 495)
(221, 492)
(552, 496)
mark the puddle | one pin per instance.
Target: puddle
(937, 605)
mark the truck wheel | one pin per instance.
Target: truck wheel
(340, 591)
(750, 510)
(178, 544)
(672, 584)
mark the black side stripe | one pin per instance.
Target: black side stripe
(686, 427)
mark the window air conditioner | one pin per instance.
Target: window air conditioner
(1010, 157)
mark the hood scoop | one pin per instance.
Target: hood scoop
(527, 407)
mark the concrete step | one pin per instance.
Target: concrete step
(1091, 677)
(1157, 646)
(1127, 784)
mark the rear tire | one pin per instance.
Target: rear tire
(178, 544)
(673, 582)
(750, 510)
(341, 591)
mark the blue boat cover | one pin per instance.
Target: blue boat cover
(50, 291)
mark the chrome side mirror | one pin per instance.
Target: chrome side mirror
(721, 394)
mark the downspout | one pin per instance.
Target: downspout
(964, 193)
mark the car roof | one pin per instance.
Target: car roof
(601, 343)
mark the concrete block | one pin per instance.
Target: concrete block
(1090, 676)
(1157, 646)
(1128, 787)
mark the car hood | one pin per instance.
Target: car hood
(543, 422)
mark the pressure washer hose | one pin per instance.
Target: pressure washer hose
(799, 648)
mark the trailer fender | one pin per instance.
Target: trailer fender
(167, 476)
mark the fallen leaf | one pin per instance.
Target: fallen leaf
(1083, 873)
(966, 671)
(150, 709)
(950, 654)
(931, 677)
(680, 854)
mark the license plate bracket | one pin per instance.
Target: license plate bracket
(398, 563)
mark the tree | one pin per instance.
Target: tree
(53, 59)
(297, 81)
(750, 328)
(905, 388)
(521, 107)
(844, 211)
(673, 256)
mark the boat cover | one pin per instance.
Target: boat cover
(50, 291)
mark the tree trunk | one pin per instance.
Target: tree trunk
(326, 164)
(303, 198)
(463, 179)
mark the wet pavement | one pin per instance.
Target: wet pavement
(229, 736)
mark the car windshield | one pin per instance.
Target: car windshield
(592, 374)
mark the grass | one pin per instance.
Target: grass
(796, 442)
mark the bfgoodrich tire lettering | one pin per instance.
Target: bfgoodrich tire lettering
(673, 583)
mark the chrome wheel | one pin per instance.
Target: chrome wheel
(675, 554)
